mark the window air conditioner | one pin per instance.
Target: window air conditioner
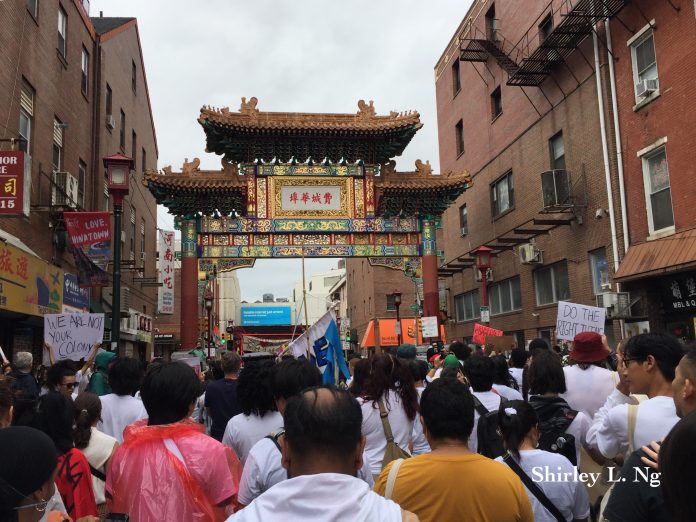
(477, 275)
(64, 190)
(530, 254)
(645, 87)
(110, 121)
(617, 304)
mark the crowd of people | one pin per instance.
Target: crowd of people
(464, 436)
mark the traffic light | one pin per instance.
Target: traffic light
(347, 336)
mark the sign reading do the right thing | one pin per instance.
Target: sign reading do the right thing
(574, 318)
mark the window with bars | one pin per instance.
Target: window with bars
(84, 82)
(26, 116)
(82, 180)
(62, 31)
(132, 234)
(459, 135)
(142, 237)
(467, 306)
(505, 296)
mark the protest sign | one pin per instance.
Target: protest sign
(499, 344)
(574, 318)
(72, 336)
(481, 332)
(429, 326)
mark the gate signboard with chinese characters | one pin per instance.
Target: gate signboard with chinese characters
(165, 297)
(11, 182)
(303, 185)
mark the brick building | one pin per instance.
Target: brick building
(74, 91)
(654, 78)
(519, 106)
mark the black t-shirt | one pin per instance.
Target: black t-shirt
(637, 496)
(221, 398)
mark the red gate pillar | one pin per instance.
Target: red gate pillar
(431, 297)
(189, 285)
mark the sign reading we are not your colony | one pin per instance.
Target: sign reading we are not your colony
(72, 336)
(573, 319)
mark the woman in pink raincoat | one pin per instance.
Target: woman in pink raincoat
(167, 468)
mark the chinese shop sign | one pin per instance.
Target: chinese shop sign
(29, 285)
(165, 298)
(11, 182)
(679, 293)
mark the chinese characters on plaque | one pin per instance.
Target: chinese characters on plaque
(11, 182)
(311, 197)
(165, 297)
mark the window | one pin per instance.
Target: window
(57, 158)
(134, 147)
(142, 237)
(545, 28)
(599, 270)
(81, 181)
(551, 284)
(26, 116)
(502, 195)
(463, 220)
(123, 131)
(643, 59)
(62, 31)
(496, 103)
(505, 296)
(658, 194)
(467, 306)
(557, 152)
(33, 7)
(132, 234)
(134, 76)
(391, 307)
(143, 160)
(85, 72)
(456, 79)
(491, 24)
(459, 133)
(109, 99)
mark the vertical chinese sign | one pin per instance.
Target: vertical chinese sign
(165, 298)
(90, 240)
(11, 182)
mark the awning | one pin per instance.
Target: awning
(387, 333)
(653, 258)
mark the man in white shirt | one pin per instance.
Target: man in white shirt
(121, 408)
(322, 452)
(647, 367)
(518, 360)
(479, 372)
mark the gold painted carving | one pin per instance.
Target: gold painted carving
(388, 168)
(366, 110)
(358, 187)
(424, 169)
(189, 167)
(261, 198)
(229, 168)
(249, 107)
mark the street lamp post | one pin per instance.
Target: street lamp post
(208, 298)
(397, 303)
(118, 169)
(483, 263)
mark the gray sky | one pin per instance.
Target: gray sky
(294, 56)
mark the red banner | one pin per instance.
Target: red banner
(481, 332)
(88, 228)
(11, 182)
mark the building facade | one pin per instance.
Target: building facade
(523, 104)
(318, 295)
(66, 75)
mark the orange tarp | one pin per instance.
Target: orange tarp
(387, 333)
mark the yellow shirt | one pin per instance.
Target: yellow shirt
(458, 488)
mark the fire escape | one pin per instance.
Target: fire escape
(531, 60)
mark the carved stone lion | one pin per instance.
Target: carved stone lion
(189, 167)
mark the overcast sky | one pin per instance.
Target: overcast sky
(294, 56)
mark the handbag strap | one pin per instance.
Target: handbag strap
(533, 488)
(96, 473)
(632, 417)
(391, 478)
(385, 421)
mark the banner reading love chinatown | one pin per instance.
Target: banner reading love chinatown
(90, 239)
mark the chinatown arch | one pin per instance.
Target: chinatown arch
(304, 185)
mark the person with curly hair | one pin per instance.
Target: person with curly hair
(259, 415)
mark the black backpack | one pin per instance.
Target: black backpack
(553, 434)
(490, 443)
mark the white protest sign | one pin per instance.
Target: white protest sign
(429, 325)
(574, 318)
(72, 336)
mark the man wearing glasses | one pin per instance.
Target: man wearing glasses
(646, 367)
(61, 378)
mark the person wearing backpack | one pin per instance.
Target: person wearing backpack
(485, 439)
(552, 500)
(563, 429)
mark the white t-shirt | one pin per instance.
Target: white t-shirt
(118, 411)
(420, 443)
(243, 431)
(263, 469)
(372, 429)
(588, 389)
(569, 496)
(510, 394)
(325, 496)
(609, 430)
(490, 401)
(517, 375)
(97, 453)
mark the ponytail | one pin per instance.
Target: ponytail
(87, 412)
(516, 419)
